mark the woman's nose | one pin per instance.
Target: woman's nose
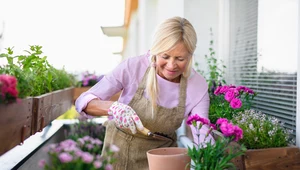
(171, 64)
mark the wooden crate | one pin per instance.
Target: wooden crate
(49, 106)
(15, 123)
(78, 91)
(272, 158)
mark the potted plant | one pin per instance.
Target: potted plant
(81, 149)
(44, 91)
(85, 83)
(220, 154)
(269, 144)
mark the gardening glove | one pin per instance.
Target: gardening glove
(125, 117)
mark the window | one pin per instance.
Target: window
(263, 54)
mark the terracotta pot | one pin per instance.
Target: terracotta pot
(172, 158)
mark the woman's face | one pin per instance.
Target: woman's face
(171, 64)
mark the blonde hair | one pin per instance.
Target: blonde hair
(167, 35)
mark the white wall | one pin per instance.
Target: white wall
(203, 15)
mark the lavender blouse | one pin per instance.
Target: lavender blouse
(127, 76)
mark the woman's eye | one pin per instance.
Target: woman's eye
(181, 59)
(165, 57)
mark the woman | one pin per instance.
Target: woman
(159, 89)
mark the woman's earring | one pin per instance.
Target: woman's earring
(153, 64)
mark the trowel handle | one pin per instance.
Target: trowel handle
(145, 131)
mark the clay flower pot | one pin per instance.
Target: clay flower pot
(171, 158)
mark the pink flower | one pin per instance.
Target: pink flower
(114, 148)
(197, 118)
(213, 126)
(236, 103)
(238, 133)
(227, 129)
(224, 89)
(217, 91)
(87, 157)
(109, 167)
(42, 163)
(192, 118)
(230, 94)
(97, 164)
(65, 157)
(221, 120)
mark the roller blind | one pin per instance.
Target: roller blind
(276, 90)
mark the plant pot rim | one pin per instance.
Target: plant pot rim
(159, 153)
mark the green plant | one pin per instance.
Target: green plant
(262, 131)
(226, 101)
(215, 74)
(218, 156)
(34, 74)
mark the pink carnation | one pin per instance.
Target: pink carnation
(238, 133)
(221, 121)
(227, 129)
(230, 94)
(236, 103)
(217, 91)
(224, 89)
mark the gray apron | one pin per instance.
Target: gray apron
(133, 147)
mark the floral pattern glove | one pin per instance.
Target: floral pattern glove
(125, 117)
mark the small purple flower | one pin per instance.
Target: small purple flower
(67, 143)
(90, 146)
(87, 157)
(65, 157)
(108, 167)
(114, 148)
(97, 164)
(42, 163)
(86, 138)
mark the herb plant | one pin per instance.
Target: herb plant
(34, 73)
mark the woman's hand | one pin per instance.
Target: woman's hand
(125, 117)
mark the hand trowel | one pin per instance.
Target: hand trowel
(156, 135)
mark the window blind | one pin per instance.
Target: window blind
(276, 90)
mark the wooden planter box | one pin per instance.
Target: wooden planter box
(265, 159)
(15, 123)
(49, 106)
(272, 158)
(78, 91)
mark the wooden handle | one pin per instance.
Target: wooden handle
(145, 131)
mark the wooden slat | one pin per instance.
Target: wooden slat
(15, 120)
(273, 158)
